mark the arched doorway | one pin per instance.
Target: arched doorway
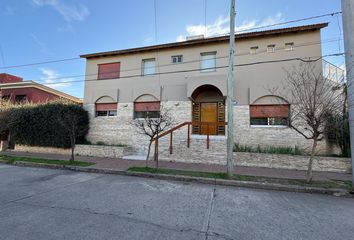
(208, 111)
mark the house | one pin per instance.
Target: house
(17, 90)
(189, 77)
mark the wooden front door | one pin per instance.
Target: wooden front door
(209, 113)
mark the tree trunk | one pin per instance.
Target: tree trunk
(309, 167)
(157, 152)
(72, 140)
(148, 154)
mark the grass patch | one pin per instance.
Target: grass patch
(13, 159)
(220, 175)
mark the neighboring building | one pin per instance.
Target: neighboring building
(17, 90)
(190, 77)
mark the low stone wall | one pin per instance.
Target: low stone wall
(283, 161)
(81, 150)
(102, 151)
(33, 149)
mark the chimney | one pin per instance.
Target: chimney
(195, 37)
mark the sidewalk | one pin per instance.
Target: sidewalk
(122, 164)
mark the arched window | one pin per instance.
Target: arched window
(270, 111)
(146, 106)
(106, 107)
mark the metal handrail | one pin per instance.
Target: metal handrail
(189, 124)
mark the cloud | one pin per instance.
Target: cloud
(70, 13)
(50, 79)
(221, 26)
(41, 44)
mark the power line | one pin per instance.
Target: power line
(304, 59)
(249, 29)
(198, 60)
(40, 63)
(292, 21)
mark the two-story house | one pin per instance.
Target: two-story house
(14, 89)
(189, 78)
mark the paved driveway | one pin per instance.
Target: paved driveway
(55, 204)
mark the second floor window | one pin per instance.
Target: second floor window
(109, 70)
(20, 98)
(177, 59)
(289, 46)
(271, 48)
(208, 62)
(149, 66)
(254, 50)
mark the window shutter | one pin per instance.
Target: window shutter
(109, 70)
(149, 66)
(106, 106)
(221, 118)
(146, 106)
(196, 118)
(262, 111)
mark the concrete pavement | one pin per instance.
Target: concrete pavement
(122, 164)
(38, 203)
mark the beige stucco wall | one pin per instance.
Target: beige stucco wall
(251, 82)
(174, 90)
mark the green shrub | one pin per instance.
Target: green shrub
(42, 125)
(270, 149)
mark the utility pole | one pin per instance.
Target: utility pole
(348, 32)
(230, 93)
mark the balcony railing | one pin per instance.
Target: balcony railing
(332, 72)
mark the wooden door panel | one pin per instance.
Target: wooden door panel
(209, 113)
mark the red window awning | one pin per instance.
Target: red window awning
(106, 106)
(262, 111)
(146, 106)
(109, 70)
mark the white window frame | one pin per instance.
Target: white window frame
(177, 57)
(254, 50)
(153, 72)
(271, 48)
(208, 69)
(289, 46)
(109, 113)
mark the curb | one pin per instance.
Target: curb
(221, 182)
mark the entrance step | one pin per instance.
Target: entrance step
(197, 152)
(135, 157)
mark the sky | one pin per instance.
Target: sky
(33, 31)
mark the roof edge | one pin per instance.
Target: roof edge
(42, 87)
(303, 28)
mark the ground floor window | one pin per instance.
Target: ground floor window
(147, 109)
(269, 115)
(106, 109)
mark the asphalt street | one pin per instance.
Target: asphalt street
(40, 204)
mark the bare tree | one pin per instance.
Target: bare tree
(314, 97)
(152, 127)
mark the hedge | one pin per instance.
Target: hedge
(42, 125)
